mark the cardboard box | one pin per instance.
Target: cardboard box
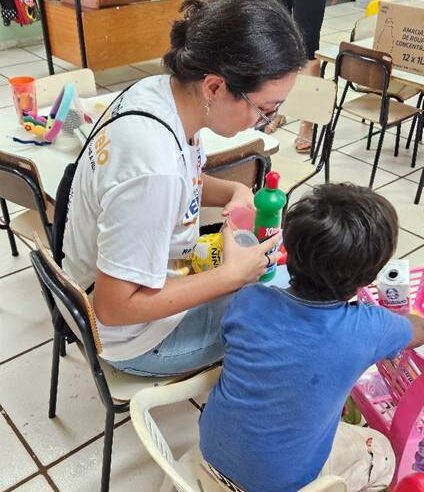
(400, 32)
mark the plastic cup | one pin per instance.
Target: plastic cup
(24, 95)
(245, 238)
(242, 218)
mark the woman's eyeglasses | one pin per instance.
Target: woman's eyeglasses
(265, 118)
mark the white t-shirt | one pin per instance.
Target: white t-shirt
(134, 208)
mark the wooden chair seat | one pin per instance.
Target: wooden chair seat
(28, 222)
(369, 108)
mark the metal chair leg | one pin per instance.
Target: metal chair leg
(414, 121)
(417, 141)
(377, 156)
(420, 189)
(370, 131)
(6, 219)
(54, 377)
(397, 140)
(107, 450)
(63, 347)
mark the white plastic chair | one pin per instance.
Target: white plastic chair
(190, 473)
(48, 88)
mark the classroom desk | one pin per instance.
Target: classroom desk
(51, 160)
(328, 54)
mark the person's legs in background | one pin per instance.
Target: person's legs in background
(308, 16)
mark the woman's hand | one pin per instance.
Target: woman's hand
(247, 264)
(242, 197)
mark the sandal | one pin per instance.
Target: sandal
(302, 145)
(279, 121)
(303, 142)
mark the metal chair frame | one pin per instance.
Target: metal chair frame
(384, 109)
(39, 200)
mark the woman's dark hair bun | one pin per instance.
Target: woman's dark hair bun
(191, 7)
(247, 42)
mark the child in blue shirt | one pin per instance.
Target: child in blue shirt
(292, 356)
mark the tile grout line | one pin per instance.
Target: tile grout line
(85, 444)
(15, 271)
(412, 251)
(25, 351)
(42, 469)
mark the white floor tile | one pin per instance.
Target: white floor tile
(37, 484)
(64, 64)
(406, 243)
(342, 9)
(400, 165)
(9, 263)
(37, 49)
(401, 194)
(34, 69)
(117, 75)
(344, 168)
(5, 96)
(132, 467)
(340, 23)
(3, 80)
(152, 67)
(286, 150)
(24, 389)
(415, 176)
(12, 208)
(16, 463)
(25, 319)
(335, 37)
(416, 258)
(15, 57)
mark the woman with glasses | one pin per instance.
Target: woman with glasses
(133, 220)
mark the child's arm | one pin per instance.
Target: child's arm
(417, 331)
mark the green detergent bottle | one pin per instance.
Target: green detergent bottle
(269, 202)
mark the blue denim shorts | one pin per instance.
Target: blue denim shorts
(195, 343)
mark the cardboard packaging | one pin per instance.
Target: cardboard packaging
(393, 286)
(400, 32)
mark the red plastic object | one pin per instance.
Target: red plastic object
(283, 259)
(411, 483)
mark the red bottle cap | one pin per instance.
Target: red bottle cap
(271, 180)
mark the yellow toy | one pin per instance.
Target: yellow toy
(373, 8)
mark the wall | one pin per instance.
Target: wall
(16, 35)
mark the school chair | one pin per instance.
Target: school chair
(366, 67)
(246, 163)
(115, 387)
(20, 184)
(48, 88)
(365, 28)
(191, 473)
(311, 99)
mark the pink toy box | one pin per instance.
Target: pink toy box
(392, 398)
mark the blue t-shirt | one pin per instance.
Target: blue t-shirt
(289, 365)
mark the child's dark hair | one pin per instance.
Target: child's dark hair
(337, 238)
(247, 42)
